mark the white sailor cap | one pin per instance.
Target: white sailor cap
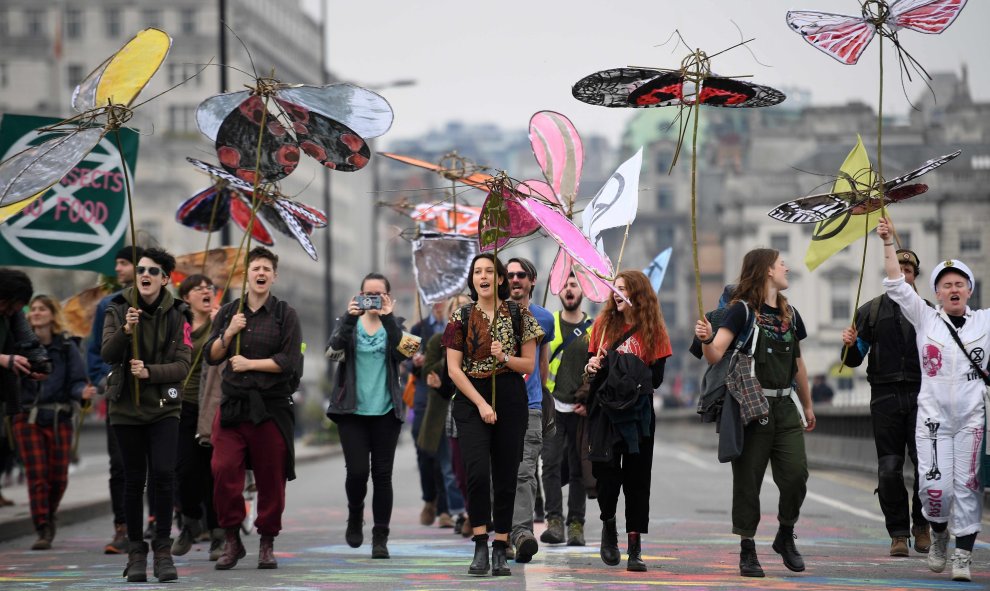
(953, 265)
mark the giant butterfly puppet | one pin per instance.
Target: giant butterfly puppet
(255, 144)
(103, 101)
(845, 38)
(687, 88)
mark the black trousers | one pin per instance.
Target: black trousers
(430, 476)
(561, 451)
(192, 470)
(894, 412)
(116, 476)
(632, 474)
(149, 453)
(369, 450)
(492, 453)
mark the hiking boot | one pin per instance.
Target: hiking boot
(187, 537)
(354, 535)
(922, 538)
(379, 542)
(575, 533)
(554, 534)
(429, 513)
(44, 541)
(635, 562)
(499, 566)
(783, 544)
(479, 564)
(233, 549)
(266, 553)
(136, 570)
(216, 543)
(164, 568)
(960, 565)
(444, 520)
(118, 545)
(609, 550)
(749, 564)
(525, 545)
(937, 553)
(899, 546)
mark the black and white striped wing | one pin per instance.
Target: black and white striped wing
(813, 209)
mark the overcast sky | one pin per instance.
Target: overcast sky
(501, 61)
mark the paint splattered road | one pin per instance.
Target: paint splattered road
(689, 546)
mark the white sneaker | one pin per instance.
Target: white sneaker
(937, 554)
(960, 565)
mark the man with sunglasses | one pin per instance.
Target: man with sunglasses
(98, 370)
(522, 281)
(261, 340)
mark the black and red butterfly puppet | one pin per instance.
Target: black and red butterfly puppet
(328, 123)
(863, 200)
(230, 198)
(647, 87)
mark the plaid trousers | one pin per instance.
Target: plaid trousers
(46, 465)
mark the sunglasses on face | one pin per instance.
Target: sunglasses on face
(153, 271)
(517, 275)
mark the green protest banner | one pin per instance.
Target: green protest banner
(80, 222)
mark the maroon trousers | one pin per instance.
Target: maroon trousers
(264, 445)
(45, 450)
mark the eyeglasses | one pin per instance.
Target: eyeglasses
(209, 288)
(373, 293)
(517, 275)
(153, 271)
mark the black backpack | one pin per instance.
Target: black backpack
(447, 388)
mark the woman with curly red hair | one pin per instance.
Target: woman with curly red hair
(628, 350)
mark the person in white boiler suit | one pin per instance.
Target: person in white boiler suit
(951, 408)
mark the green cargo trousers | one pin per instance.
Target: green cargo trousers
(779, 439)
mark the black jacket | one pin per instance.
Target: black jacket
(16, 338)
(887, 340)
(343, 341)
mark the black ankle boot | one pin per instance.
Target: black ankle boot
(479, 565)
(783, 544)
(610, 543)
(749, 564)
(379, 542)
(354, 536)
(499, 566)
(635, 563)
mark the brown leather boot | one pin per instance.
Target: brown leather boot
(118, 545)
(163, 567)
(44, 541)
(266, 553)
(922, 538)
(232, 551)
(136, 570)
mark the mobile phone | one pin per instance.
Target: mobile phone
(369, 302)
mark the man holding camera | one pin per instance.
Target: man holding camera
(21, 354)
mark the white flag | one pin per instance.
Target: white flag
(616, 203)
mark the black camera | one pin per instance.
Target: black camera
(369, 302)
(39, 360)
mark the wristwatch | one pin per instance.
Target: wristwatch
(505, 358)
